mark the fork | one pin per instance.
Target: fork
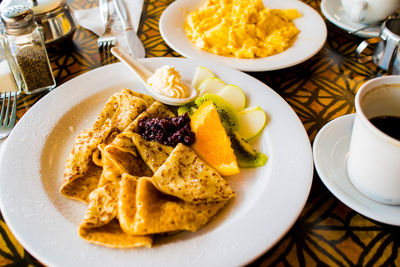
(7, 120)
(107, 39)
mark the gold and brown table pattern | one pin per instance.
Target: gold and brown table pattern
(319, 90)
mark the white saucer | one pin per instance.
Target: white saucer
(333, 11)
(330, 157)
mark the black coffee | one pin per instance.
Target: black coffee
(390, 125)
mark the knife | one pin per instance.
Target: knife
(135, 46)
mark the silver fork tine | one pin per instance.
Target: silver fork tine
(13, 117)
(107, 39)
(2, 109)
(7, 120)
(7, 108)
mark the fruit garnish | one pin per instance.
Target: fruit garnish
(211, 85)
(200, 75)
(246, 155)
(252, 121)
(226, 111)
(242, 124)
(212, 142)
(189, 108)
(167, 131)
(234, 95)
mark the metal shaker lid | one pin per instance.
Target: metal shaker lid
(46, 6)
(16, 17)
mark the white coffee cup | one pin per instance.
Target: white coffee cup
(369, 11)
(373, 164)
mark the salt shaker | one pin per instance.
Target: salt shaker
(25, 50)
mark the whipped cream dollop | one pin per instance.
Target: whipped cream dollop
(167, 81)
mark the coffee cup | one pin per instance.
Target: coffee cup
(369, 11)
(373, 163)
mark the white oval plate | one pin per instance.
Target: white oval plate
(310, 40)
(269, 199)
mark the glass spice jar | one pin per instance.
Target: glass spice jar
(25, 50)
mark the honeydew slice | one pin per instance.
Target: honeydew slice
(251, 122)
(234, 95)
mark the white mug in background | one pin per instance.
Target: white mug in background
(373, 164)
(369, 11)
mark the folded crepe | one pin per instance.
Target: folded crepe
(143, 209)
(135, 155)
(101, 225)
(111, 171)
(79, 175)
(119, 111)
(186, 176)
(80, 188)
(156, 110)
(153, 153)
(122, 153)
(129, 107)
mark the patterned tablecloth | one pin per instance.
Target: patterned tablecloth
(319, 90)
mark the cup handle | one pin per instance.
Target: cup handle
(392, 59)
(358, 10)
(362, 46)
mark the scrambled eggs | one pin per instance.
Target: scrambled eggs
(241, 28)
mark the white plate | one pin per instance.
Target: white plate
(310, 40)
(333, 11)
(269, 199)
(330, 148)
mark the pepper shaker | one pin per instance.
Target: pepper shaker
(25, 50)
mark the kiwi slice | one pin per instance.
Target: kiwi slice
(246, 155)
(226, 111)
(188, 108)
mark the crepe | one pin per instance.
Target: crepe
(129, 107)
(80, 189)
(156, 110)
(78, 181)
(137, 188)
(186, 176)
(119, 111)
(127, 202)
(103, 206)
(153, 153)
(101, 226)
(143, 209)
(135, 155)
(111, 171)
(160, 213)
(122, 152)
(111, 235)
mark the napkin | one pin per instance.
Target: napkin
(7, 83)
(91, 20)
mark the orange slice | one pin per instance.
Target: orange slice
(212, 143)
